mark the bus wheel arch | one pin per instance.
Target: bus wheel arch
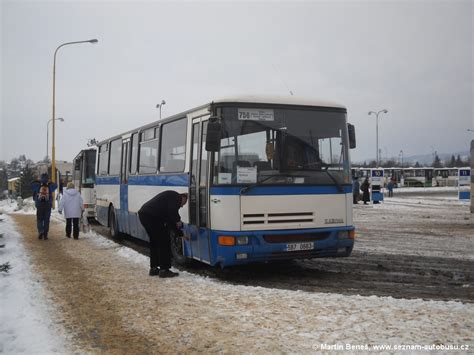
(177, 249)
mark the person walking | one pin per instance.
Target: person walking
(390, 188)
(365, 190)
(355, 190)
(156, 216)
(73, 206)
(43, 196)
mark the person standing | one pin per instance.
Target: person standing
(156, 215)
(355, 190)
(43, 197)
(390, 187)
(365, 190)
(73, 206)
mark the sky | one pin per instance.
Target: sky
(413, 58)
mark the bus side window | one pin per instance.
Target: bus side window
(103, 159)
(173, 146)
(133, 165)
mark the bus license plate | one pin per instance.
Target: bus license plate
(299, 246)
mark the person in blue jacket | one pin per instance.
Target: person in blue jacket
(43, 197)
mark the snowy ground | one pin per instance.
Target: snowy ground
(199, 314)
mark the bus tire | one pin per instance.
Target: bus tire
(177, 252)
(113, 226)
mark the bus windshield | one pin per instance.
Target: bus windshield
(282, 146)
(88, 176)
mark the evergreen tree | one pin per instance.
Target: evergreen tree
(3, 180)
(417, 165)
(24, 184)
(452, 162)
(458, 162)
(437, 162)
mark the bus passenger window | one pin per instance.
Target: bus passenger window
(173, 146)
(115, 157)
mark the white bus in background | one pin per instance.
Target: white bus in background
(446, 176)
(268, 179)
(83, 178)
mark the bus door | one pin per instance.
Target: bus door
(198, 199)
(124, 172)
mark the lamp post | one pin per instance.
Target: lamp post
(401, 158)
(53, 149)
(160, 105)
(377, 133)
(47, 134)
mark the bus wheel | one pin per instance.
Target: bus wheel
(114, 233)
(177, 249)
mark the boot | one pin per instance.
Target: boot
(45, 236)
(40, 236)
(154, 271)
(167, 273)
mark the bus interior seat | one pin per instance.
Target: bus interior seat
(262, 165)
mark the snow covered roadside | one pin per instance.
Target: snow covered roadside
(201, 314)
(25, 325)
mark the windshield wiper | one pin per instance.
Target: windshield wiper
(339, 186)
(251, 186)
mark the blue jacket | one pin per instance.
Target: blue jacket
(36, 185)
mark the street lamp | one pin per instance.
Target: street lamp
(53, 150)
(160, 105)
(377, 133)
(401, 158)
(47, 134)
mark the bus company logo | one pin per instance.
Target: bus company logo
(333, 220)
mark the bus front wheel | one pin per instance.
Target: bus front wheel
(177, 248)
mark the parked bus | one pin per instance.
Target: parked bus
(267, 179)
(446, 176)
(83, 178)
(418, 177)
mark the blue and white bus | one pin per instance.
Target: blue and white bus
(268, 179)
(83, 177)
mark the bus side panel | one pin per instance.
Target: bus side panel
(107, 193)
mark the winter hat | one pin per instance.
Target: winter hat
(44, 178)
(70, 185)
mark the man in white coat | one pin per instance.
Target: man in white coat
(73, 206)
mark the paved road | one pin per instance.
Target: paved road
(417, 245)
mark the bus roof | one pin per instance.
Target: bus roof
(245, 99)
(279, 100)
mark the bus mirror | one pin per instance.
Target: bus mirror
(352, 136)
(213, 137)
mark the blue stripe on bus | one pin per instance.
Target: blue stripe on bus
(281, 190)
(151, 180)
(160, 180)
(107, 180)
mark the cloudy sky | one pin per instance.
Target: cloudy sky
(413, 58)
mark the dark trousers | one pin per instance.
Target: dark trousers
(160, 246)
(70, 223)
(43, 214)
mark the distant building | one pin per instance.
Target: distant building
(13, 186)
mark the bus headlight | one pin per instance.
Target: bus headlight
(242, 240)
(347, 234)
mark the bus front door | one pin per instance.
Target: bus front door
(198, 199)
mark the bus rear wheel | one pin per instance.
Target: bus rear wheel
(177, 249)
(114, 233)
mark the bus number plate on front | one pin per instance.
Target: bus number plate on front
(299, 246)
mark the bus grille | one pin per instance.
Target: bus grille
(272, 218)
(295, 238)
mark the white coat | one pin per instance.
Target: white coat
(72, 204)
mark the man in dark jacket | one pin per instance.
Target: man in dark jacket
(156, 215)
(43, 197)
